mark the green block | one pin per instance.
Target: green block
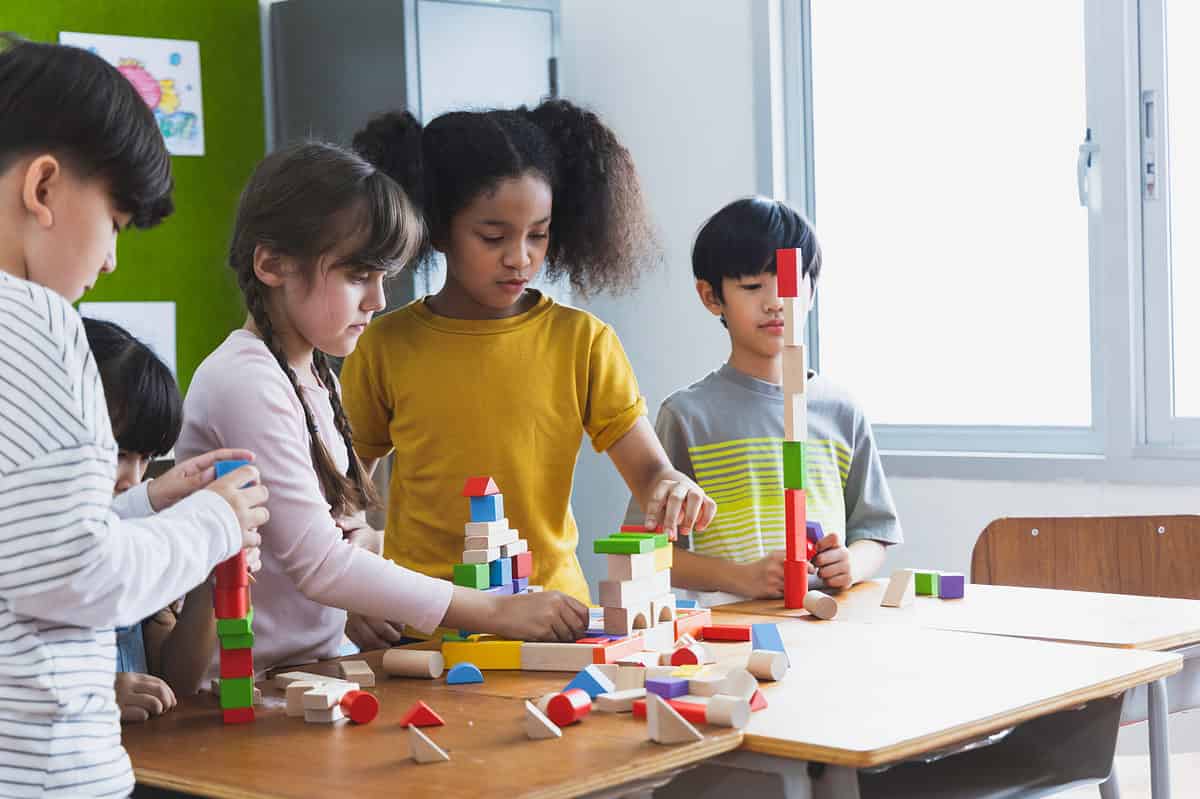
(453, 637)
(623, 545)
(241, 626)
(660, 539)
(473, 575)
(237, 692)
(237, 641)
(927, 583)
(794, 464)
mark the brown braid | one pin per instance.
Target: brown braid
(366, 496)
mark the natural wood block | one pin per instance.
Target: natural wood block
(619, 701)
(665, 724)
(537, 725)
(486, 529)
(357, 671)
(821, 605)
(623, 593)
(631, 567)
(422, 749)
(795, 319)
(795, 417)
(538, 656)
(900, 591)
(767, 664)
(295, 696)
(795, 370)
(515, 548)
(420, 663)
(728, 711)
(480, 556)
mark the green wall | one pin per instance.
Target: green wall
(182, 260)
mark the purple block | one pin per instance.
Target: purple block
(813, 531)
(520, 584)
(951, 585)
(668, 687)
(507, 588)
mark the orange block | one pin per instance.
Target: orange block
(615, 650)
(692, 621)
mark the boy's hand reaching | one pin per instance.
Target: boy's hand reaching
(190, 476)
(141, 696)
(833, 562)
(544, 616)
(763, 578)
(680, 506)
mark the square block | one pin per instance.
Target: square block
(515, 548)
(472, 575)
(237, 663)
(522, 565)
(623, 545)
(795, 467)
(501, 571)
(926, 583)
(231, 603)
(795, 510)
(795, 583)
(237, 641)
(951, 585)
(520, 584)
(795, 417)
(484, 556)
(631, 567)
(795, 370)
(788, 265)
(795, 319)
(489, 508)
(237, 692)
(667, 687)
(242, 626)
(664, 558)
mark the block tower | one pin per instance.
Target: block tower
(788, 268)
(495, 557)
(235, 617)
(637, 596)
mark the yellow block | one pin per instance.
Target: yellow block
(486, 655)
(664, 557)
(688, 670)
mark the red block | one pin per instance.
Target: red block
(685, 656)
(421, 715)
(611, 651)
(795, 506)
(689, 710)
(569, 707)
(758, 702)
(480, 487)
(360, 706)
(522, 565)
(231, 603)
(691, 622)
(232, 573)
(639, 528)
(795, 583)
(726, 632)
(238, 715)
(237, 663)
(810, 548)
(787, 272)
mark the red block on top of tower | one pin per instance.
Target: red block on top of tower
(479, 487)
(787, 272)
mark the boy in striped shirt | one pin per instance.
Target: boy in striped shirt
(726, 430)
(80, 159)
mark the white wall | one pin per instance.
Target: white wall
(674, 79)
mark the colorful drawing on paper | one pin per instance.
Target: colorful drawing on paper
(166, 73)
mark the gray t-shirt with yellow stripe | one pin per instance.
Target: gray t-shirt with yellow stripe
(726, 432)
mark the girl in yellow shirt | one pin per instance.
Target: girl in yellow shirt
(490, 377)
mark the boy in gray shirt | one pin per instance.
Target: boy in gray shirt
(726, 430)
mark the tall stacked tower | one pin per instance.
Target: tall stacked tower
(495, 557)
(788, 268)
(235, 618)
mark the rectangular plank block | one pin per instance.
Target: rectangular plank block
(626, 545)
(795, 583)
(726, 632)
(484, 556)
(795, 513)
(621, 593)
(795, 371)
(493, 655)
(788, 265)
(794, 320)
(492, 541)
(517, 547)
(795, 468)
(795, 417)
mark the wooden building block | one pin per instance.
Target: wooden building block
(538, 726)
(486, 529)
(520, 586)
(900, 590)
(357, 671)
(231, 603)
(488, 508)
(766, 636)
(639, 660)
(237, 663)
(472, 575)
(232, 573)
(789, 264)
(619, 701)
(795, 418)
(795, 512)
(667, 687)
(795, 371)
(740, 683)
(464, 674)
(591, 680)
(629, 677)
(624, 593)
(480, 556)
(497, 540)
(569, 707)
(624, 621)
(282, 681)
(501, 570)
(728, 711)
(326, 694)
(536, 656)
(237, 692)
(543, 701)
(665, 724)
(821, 605)
(522, 565)
(795, 319)
(664, 558)
(420, 663)
(239, 626)
(623, 545)
(487, 655)
(707, 682)
(421, 715)
(691, 621)
(659, 638)
(613, 651)
(795, 464)
(768, 664)
(237, 715)
(324, 715)
(360, 706)
(237, 641)
(925, 582)
(758, 702)
(631, 567)
(479, 487)
(661, 540)
(725, 632)
(424, 750)
(517, 547)
(795, 583)
(663, 609)
(295, 696)
(952, 585)
(693, 654)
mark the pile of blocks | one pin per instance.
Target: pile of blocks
(235, 617)
(799, 546)
(495, 558)
(637, 596)
(324, 700)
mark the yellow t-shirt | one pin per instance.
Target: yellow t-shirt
(509, 398)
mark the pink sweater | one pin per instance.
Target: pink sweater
(239, 397)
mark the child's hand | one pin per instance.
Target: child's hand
(241, 489)
(833, 562)
(370, 633)
(682, 505)
(190, 476)
(544, 616)
(763, 578)
(141, 696)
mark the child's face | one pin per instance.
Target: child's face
(331, 309)
(498, 242)
(131, 468)
(70, 228)
(753, 310)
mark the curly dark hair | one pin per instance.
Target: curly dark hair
(600, 236)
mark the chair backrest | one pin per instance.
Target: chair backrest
(1146, 555)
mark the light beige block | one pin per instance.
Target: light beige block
(538, 726)
(767, 665)
(795, 417)
(295, 696)
(665, 724)
(629, 677)
(795, 318)
(357, 671)
(821, 605)
(422, 664)
(631, 567)
(474, 529)
(498, 539)
(515, 548)
(624, 593)
(901, 589)
(538, 656)
(625, 620)
(423, 749)
(324, 715)
(480, 555)
(659, 638)
(326, 694)
(795, 370)
(619, 701)
(728, 711)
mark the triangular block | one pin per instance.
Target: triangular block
(424, 750)
(592, 681)
(666, 725)
(480, 487)
(537, 726)
(758, 701)
(464, 674)
(421, 715)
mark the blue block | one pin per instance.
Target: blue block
(487, 509)
(766, 636)
(593, 682)
(667, 687)
(687, 604)
(501, 571)
(225, 467)
(464, 674)
(520, 584)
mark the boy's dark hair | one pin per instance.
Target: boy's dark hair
(74, 105)
(600, 236)
(143, 400)
(302, 201)
(740, 240)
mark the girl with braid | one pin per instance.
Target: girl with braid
(317, 231)
(489, 376)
